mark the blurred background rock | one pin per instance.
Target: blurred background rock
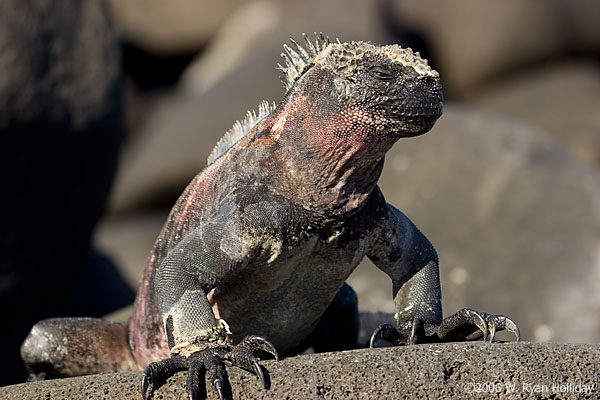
(61, 119)
(506, 185)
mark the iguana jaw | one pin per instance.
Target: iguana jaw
(409, 122)
(398, 119)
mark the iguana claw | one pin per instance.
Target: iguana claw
(497, 323)
(259, 373)
(145, 382)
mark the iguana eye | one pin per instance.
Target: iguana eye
(381, 74)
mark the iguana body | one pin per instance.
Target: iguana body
(265, 237)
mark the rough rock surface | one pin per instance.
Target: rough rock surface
(443, 371)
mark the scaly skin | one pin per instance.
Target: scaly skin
(265, 237)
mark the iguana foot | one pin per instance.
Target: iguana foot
(211, 359)
(465, 324)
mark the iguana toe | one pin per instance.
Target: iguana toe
(468, 324)
(252, 344)
(398, 337)
(388, 333)
(158, 372)
(465, 324)
(208, 360)
(498, 323)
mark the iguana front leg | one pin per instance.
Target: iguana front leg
(197, 340)
(405, 254)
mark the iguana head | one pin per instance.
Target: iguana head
(381, 90)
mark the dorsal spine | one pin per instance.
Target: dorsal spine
(241, 129)
(297, 60)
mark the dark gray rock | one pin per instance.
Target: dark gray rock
(60, 130)
(474, 41)
(561, 98)
(172, 27)
(60, 64)
(442, 371)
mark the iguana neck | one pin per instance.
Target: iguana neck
(330, 165)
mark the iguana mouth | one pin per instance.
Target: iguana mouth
(427, 111)
(408, 118)
(408, 107)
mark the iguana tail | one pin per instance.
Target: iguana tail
(76, 346)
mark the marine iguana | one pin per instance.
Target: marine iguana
(265, 237)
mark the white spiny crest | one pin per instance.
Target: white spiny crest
(240, 129)
(297, 59)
